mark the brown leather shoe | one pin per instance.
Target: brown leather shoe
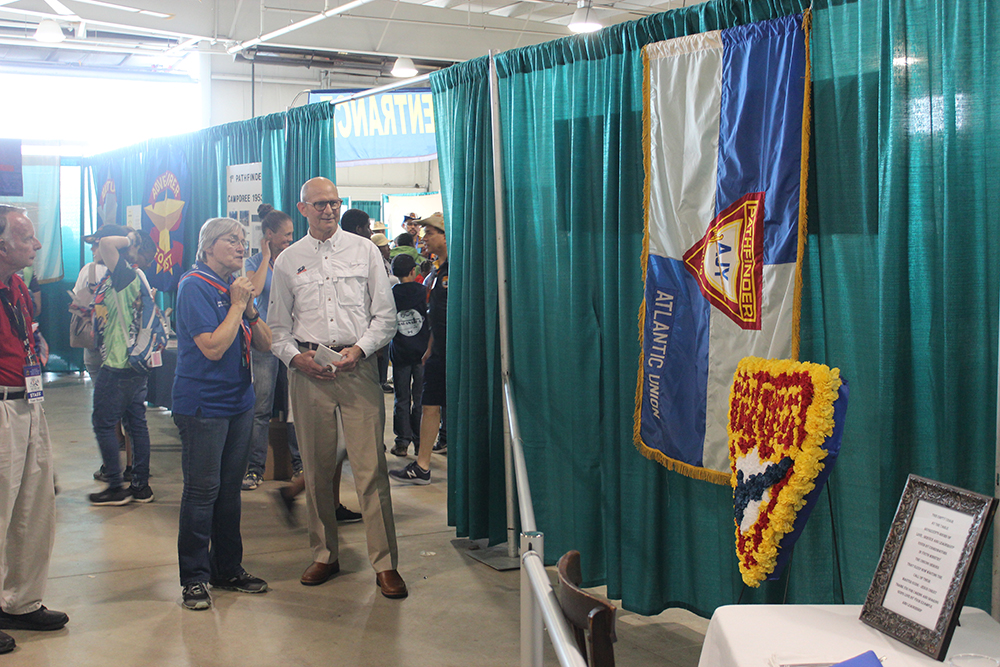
(391, 583)
(317, 573)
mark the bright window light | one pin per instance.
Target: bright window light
(92, 115)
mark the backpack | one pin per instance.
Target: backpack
(147, 336)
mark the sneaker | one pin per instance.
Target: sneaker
(251, 481)
(387, 388)
(297, 472)
(102, 475)
(244, 582)
(411, 474)
(111, 496)
(400, 449)
(141, 495)
(345, 515)
(286, 506)
(196, 597)
(440, 447)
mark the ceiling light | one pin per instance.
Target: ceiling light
(404, 68)
(583, 18)
(48, 31)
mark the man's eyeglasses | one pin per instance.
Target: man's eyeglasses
(321, 205)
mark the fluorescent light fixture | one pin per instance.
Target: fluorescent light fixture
(404, 68)
(48, 31)
(134, 10)
(346, 7)
(583, 18)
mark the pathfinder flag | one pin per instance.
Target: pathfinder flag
(725, 163)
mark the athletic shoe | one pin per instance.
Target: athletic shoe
(141, 495)
(244, 582)
(401, 449)
(411, 474)
(387, 388)
(196, 597)
(251, 481)
(102, 476)
(111, 496)
(7, 643)
(440, 447)
(345, 515)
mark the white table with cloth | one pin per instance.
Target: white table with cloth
(762, 635)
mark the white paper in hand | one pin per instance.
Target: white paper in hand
(325, 358)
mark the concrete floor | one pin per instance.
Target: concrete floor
(114, 571)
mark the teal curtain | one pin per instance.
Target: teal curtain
(898, 293)
(372, 207)
(902, 282)
(475, 418)
(572, 170)
(309, 153)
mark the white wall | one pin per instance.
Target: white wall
(275, 90)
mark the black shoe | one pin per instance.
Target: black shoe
(244, 582)
(111, 496)
(387, 388)
(401, 449)
(141, 495)
(6, 643)
(440, 447)
(196, 597)
(40, 619)
(102, 475)
(286, 507)
(345, 515)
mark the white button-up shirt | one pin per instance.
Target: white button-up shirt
(333, 292)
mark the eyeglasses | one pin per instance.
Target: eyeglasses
(235, 241)
(321, 205)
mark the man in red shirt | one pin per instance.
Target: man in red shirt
(27, 491)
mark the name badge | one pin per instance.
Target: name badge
(33, 383)
(155, 359)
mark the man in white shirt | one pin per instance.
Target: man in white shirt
(330, 288)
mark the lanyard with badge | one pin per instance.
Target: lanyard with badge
(32, 369)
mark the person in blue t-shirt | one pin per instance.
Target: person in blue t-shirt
(217, 324)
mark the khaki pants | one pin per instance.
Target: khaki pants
(27, 505)
(362, 408)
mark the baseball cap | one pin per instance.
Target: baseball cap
(107, 230)
(402, 265)
(436, 221)
(380, 240)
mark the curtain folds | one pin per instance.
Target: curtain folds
(309, 152)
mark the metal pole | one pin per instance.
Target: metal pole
(531, 612)
(502, 287)
(559, 631)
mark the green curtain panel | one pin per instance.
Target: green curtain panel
(476, 496)
(902, 238)
(309, 152)
(370, 206)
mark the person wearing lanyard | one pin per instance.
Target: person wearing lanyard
(27, 487)
(330, 288)
(217, 324)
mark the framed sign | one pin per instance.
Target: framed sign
(927, 562)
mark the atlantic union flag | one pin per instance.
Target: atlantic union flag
(725, 154)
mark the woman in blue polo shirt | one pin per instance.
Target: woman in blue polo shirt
(217, 325)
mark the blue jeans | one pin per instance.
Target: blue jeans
(213, 458)
(118, 393)
(408, 383)
(268, 371)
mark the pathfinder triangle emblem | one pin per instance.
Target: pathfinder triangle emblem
(728, 261)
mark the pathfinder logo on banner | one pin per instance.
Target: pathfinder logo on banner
(727, 262)
(168, 185)
(724, 163)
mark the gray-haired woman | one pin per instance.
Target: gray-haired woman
(213, 400)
